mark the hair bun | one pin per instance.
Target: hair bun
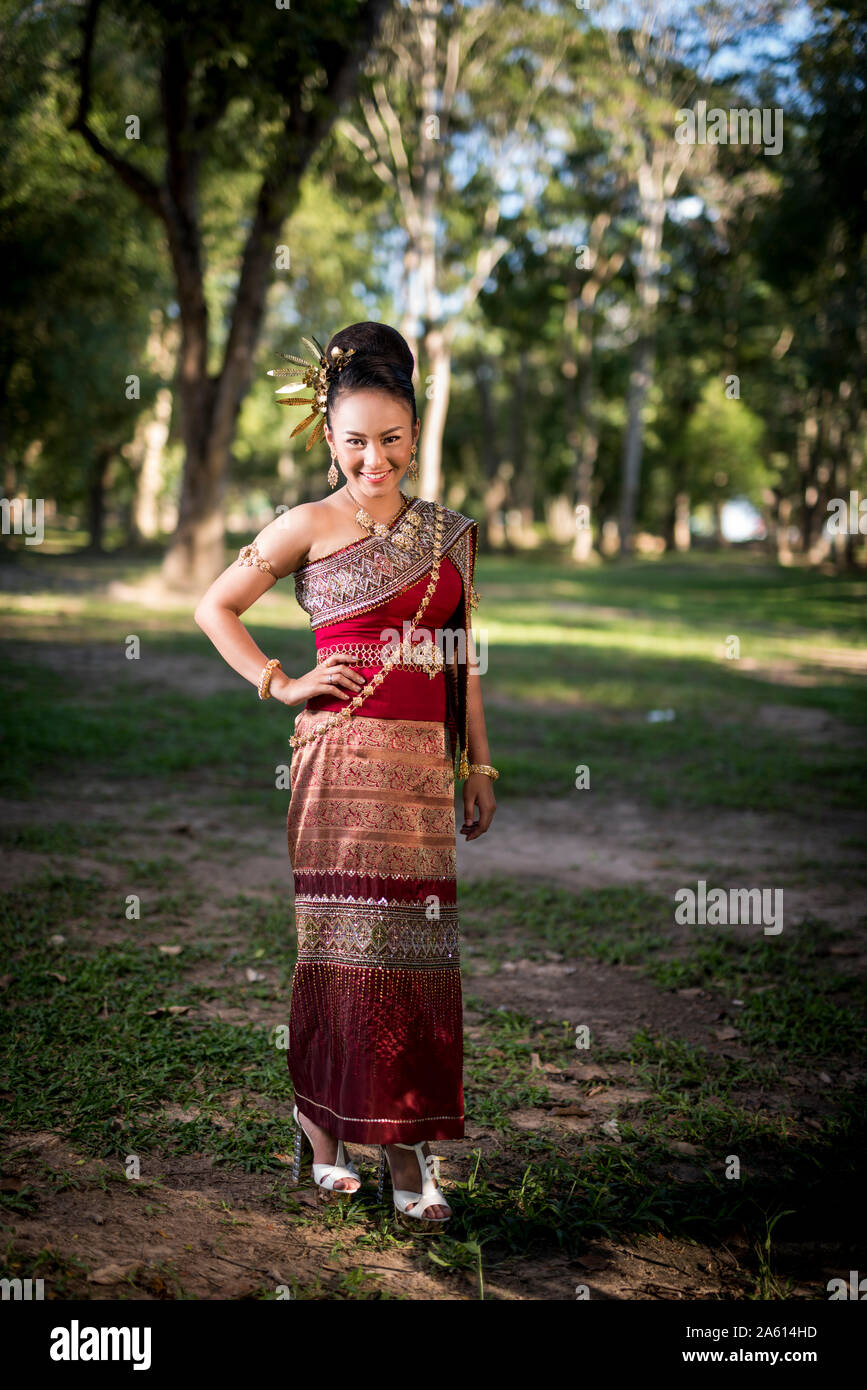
(376, 340)
(381, 361)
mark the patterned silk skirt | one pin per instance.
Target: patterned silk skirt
(375, 1023)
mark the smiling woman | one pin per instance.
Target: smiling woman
(375, 1025)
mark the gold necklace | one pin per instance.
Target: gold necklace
(365, 520)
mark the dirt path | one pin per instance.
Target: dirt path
(584, 842)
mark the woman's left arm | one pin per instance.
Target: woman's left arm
(478, 787)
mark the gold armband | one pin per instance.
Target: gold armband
(249, 555)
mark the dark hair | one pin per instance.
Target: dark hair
(383, 362)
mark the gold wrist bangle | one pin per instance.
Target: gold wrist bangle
(486, 768)
(265, 678)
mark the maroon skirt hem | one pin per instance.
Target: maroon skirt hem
(364, 1132)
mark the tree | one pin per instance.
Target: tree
(652, 70)
(723, 448)
(234, 87)
(76, 308)
(447, 107)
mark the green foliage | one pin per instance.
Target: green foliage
(723, 448)
(90, 270)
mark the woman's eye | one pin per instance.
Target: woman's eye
(392, 439)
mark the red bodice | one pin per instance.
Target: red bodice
(403, 694)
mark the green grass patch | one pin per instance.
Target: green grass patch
(88, 1055)
(576, 662)
(794, 999)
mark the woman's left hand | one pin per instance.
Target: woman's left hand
(478, 791)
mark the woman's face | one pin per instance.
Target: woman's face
(372, 435)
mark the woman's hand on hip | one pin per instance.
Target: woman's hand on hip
(478, 792)
(344, 683)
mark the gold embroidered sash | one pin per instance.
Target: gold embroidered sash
(373, 570)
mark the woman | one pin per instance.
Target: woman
(375, 1029)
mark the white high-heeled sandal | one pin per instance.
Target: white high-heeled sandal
(413, 1205)
(325, 1175)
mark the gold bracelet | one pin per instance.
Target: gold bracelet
(265, 678)
(486, 768)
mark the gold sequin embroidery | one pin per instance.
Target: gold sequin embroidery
(353, 581)
(356, 932)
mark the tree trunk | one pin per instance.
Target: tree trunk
(439, 362)
(588, 450)
(784, 516)
(680, 534)
(578, 420)
(153, 430)
(96, 498)
(811, 444)
(651, 188)
(197, 552)
(582, 429)
(145, 511)
(523, 480)
(640, 377)
(494, 486)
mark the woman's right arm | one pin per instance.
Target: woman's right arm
(281, 546)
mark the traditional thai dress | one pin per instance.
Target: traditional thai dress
(375, 1026)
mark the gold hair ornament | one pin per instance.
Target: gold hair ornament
(317, 377)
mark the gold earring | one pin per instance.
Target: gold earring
(333, 474)
(412, 471)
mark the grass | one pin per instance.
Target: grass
(576, 662)
(102, 1072)
(793, 998)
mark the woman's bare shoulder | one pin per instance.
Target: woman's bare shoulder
(303, 533)
(286, 541)
(335, 528)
